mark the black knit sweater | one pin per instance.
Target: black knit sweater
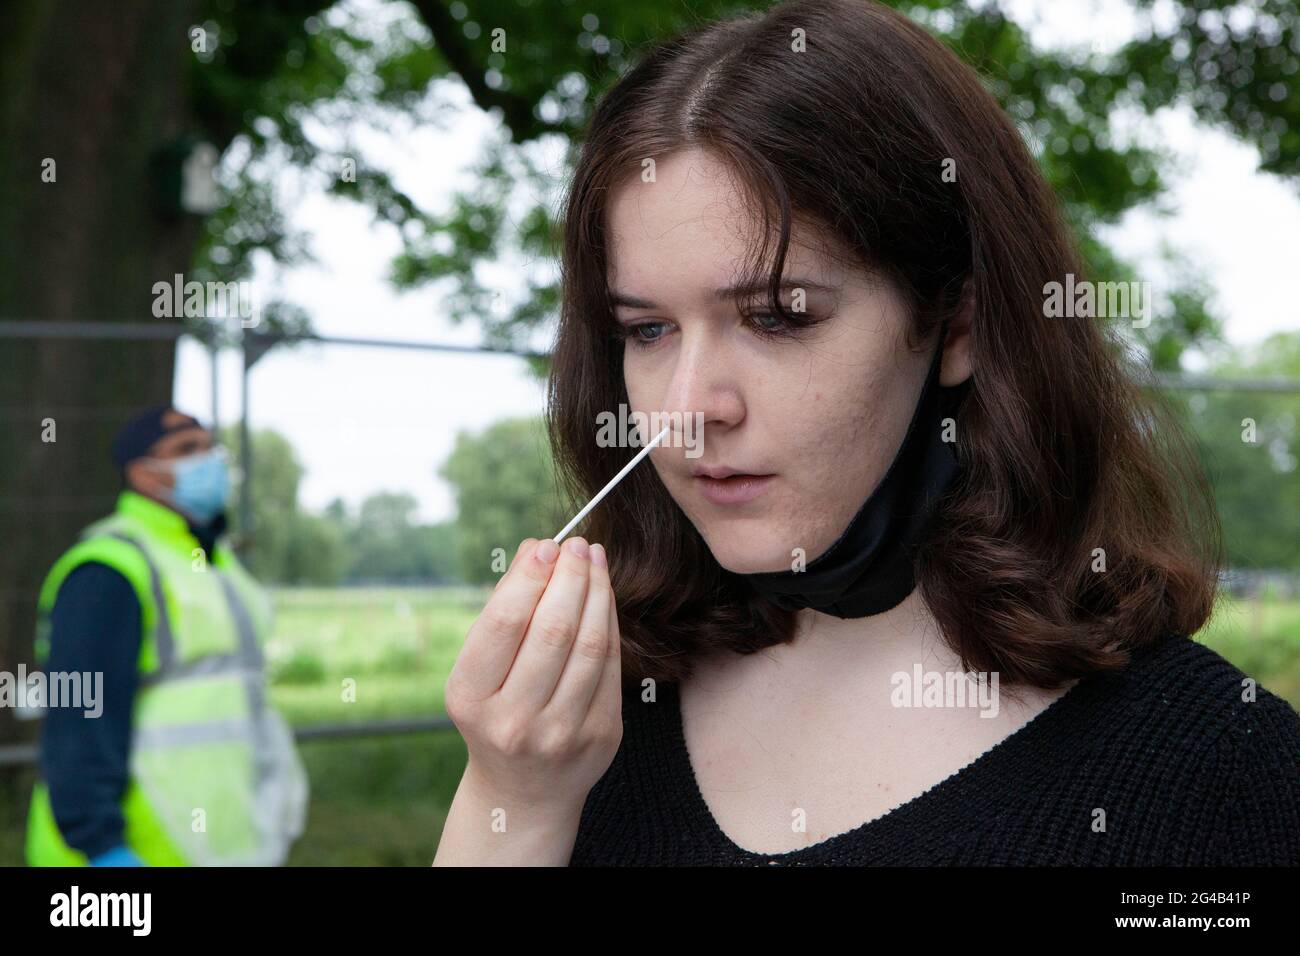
(1187, 772)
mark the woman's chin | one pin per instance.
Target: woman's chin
(754, 544)
(752, 559)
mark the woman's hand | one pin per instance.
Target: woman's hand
(536, 694)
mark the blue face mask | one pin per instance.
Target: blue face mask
(202, 485)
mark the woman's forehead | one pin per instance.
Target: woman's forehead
(645, 276)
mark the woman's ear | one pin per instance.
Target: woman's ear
(956, 367)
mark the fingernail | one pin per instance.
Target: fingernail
(598, 555)
(547, 551)
(576, 547)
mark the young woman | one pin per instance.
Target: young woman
(925, 596)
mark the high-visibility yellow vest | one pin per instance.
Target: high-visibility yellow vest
(214, 776)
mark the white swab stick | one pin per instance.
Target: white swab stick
(610, 487)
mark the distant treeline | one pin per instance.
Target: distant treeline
(505, 492)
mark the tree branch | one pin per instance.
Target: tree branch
(517, 111)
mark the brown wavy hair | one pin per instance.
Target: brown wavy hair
(1061, 451)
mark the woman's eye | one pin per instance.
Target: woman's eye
(634, 332)
(769, 325)
(775, 325)
(645, 335)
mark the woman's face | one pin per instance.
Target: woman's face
(822, 412)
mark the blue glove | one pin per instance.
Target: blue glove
(118, 856)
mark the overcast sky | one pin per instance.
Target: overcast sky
(364, 420)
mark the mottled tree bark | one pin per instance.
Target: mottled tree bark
(97, 88)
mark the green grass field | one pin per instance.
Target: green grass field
(376, 801)
(1263, 639)
(382, 801)
(393, 647)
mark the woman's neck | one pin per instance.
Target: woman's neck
(906, 633)
(828, 651)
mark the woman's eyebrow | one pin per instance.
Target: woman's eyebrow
(737, 290)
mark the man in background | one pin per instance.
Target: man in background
(187, 764)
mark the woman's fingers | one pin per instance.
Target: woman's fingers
(525, 547)
(606, 712)
(573, 694)
(550, 636)
(495, 637)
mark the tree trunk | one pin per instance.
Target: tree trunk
(97, 88)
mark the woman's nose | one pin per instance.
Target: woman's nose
(704, 385)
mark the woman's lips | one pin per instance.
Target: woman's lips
(735, 489)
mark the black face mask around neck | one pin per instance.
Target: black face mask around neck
(869, 569)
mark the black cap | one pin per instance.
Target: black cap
(136, 437)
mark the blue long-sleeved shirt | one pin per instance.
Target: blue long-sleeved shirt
(95, 627)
